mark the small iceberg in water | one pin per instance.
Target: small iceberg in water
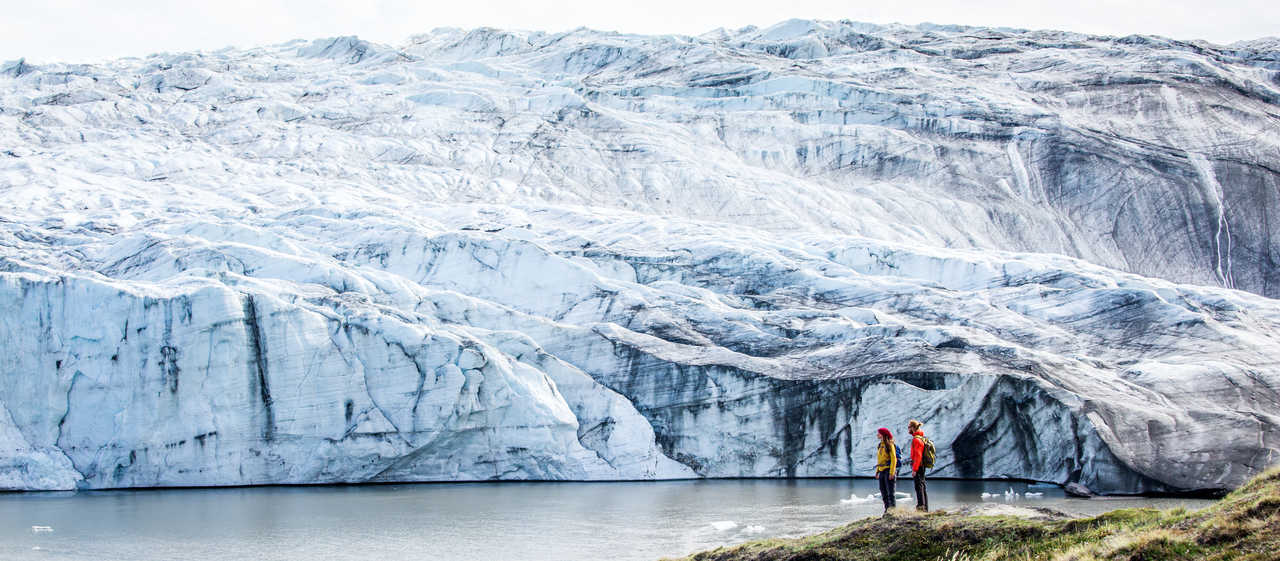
(1010, 495)
(41, 529)
(855, 499)
(1031, 495)
(753, 529)
(724, 525)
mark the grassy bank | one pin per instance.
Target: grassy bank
(1244, 526)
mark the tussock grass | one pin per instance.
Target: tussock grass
(1243, 526)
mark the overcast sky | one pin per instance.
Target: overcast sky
(86, 30)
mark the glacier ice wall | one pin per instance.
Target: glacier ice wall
(498, 255)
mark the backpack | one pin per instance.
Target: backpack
(930, 453)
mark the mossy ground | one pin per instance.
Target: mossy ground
(1243, 526)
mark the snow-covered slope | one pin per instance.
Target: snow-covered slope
(590, 256)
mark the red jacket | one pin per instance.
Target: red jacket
(917, 450)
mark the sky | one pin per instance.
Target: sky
(89, 30)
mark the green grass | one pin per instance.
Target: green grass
(1243, 526)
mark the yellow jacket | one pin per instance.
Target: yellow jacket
(886, 458)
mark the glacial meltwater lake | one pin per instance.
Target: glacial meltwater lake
(467, 521)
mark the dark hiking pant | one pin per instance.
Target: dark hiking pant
(887, 489)
(922, 494)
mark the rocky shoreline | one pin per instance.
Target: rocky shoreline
(1243, 526)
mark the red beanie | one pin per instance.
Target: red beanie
(885, 433)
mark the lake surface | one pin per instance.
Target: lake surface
(466, 521)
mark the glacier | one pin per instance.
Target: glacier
(488, 254)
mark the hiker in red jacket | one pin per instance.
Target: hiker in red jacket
(917, 471)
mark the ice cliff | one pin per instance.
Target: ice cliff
(506, 255)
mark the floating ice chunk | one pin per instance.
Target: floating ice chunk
(753, 529)
(855, 499)
(1031, 495)
(724, 525)
(41, 529)
(986, 496)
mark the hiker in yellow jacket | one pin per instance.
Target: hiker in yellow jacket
(887, 468)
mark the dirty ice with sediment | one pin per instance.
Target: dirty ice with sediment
(488, 254)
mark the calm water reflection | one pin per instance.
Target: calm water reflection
(476, 521)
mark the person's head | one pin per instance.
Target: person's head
(913, 426)
(884, 434)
